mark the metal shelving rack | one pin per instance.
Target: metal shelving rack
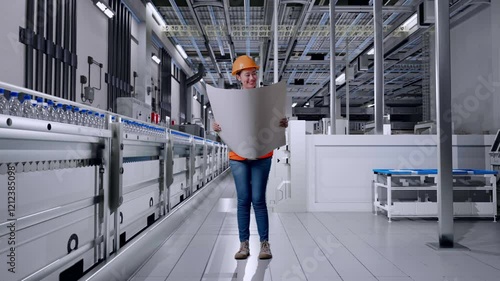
(413, 193)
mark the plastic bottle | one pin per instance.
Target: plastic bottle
(77, 116)
(41, 110)
(27, 107)
(59, 115)
(15, 105)
(103, 121)
(97, 120)
(4, 104)
(90, 118)
(69, 114)
(83, 114)
(50, 110)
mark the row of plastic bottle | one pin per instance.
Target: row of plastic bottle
(143, 129)
(49, 111)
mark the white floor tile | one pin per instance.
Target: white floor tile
(321, 246)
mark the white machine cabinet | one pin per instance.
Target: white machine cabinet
(75, 193)
(495, 157)
(413, 193)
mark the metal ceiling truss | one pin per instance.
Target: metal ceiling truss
(220, 30)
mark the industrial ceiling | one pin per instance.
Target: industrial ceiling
(214, 32)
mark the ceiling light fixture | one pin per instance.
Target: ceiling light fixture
(294, 104)
(204, 107)
(155, 58)
(181, 51)
(340, 80)
(104, 8)
(157, 16)
(410, 23)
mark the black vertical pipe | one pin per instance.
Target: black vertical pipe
(166, 82)
(127, 52)
(66, 63)
(121, 48)
(28, 63)
(129, 18)
(113, 56)
(72, 81)
(110, 59)
(40, 29)
(49, 57)
(60, 59)
(116, 57)
(110, 36)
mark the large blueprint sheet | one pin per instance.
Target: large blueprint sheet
(249, 119)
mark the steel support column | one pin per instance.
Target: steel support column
(333, 86)
(443, 97)
(379, 66)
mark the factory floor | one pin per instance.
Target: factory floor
(322, 246)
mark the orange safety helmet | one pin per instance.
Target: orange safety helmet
(243, 62)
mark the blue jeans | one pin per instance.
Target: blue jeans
(250, 178)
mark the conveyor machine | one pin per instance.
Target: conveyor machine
(72, 196)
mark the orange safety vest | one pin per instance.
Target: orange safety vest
(234, 156)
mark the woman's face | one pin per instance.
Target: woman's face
(248, 78)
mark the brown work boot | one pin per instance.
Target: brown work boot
(265, 251)
(244, 251)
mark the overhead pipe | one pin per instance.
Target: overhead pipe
(28, 65)
(232, 52)
(195, 45)
(196, 77)
(389, 21)
(309, 45)
(72, 81)
(333, 86)
(40, 29)
(306, 11)
(271, 43)
(207, 44)
(59, 53)
(214, 23)
(50, 47)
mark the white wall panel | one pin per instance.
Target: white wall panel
(471, 68)
(92, 40)
(339, 168)
(176, 90)
(12, 14)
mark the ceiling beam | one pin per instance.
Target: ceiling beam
(306, 9)
(364, 9)
(207, 42)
